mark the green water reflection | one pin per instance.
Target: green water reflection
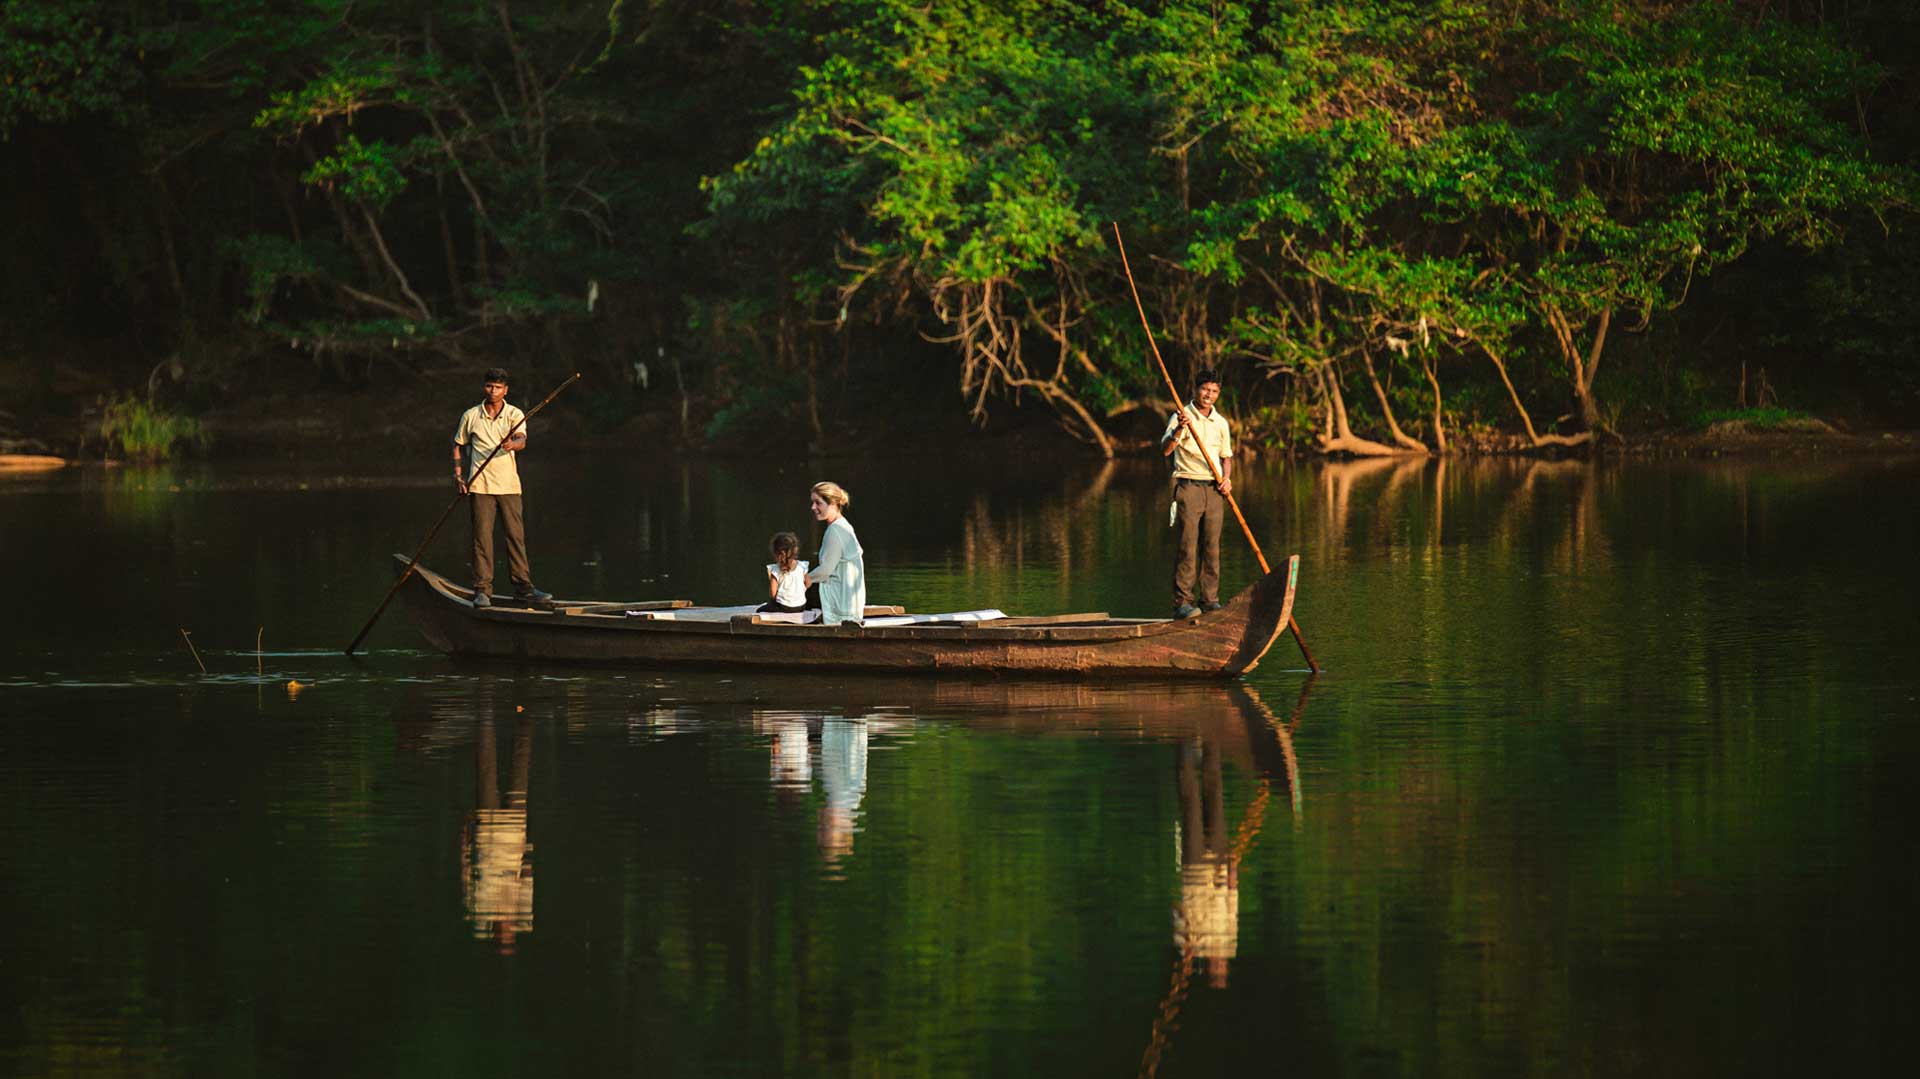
(1605, 776)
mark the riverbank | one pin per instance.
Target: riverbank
(418, 418)
(1796, 439)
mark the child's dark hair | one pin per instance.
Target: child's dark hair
(785, 549)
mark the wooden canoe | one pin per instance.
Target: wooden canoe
(1231, 715)
(1219, 644)
(30, 462)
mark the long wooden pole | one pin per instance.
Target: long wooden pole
(188, 637)
(1180, 409)
(445, 513)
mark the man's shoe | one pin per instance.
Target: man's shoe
(1210, 605)
(481, 599)
(1186, 610)
(533, 597)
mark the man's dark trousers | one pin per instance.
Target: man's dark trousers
(484, 509)
(1202, 512)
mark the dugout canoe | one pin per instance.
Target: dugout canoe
(30, 462)
(1218, 644)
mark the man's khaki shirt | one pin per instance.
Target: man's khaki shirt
(1188, 463)
(480, 433)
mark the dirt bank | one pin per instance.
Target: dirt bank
(418, 418)
(1794, 438)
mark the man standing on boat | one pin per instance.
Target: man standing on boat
(494, 491)
(1194, 435)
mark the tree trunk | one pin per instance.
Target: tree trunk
(399, 275)
(1533, 436)
(686, 402)
(1342, 439)
(813, 393)
(1386, 407)
(362, 251)
(446, 242)
(1433, 379)
(1583, 370)
(482, 268)
(1080, 412)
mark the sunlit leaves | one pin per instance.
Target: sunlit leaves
(1474, 164)
(365, 172)
(349, 85)
(1571, 156)
(955, 128)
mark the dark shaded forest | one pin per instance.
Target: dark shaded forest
(1391, 226)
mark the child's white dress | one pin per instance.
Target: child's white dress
(793, 584)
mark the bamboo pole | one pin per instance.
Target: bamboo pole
(445, 513)
(1180, 409)
(188, 637)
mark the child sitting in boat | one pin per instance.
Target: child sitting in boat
(786, 576)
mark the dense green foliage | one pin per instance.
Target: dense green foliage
(1389, 223)
(136, 429)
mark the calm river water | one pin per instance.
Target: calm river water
(1607, 774)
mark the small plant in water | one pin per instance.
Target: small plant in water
(143, 431)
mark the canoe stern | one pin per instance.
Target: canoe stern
(1270, 608)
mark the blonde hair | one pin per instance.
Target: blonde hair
(830, 491)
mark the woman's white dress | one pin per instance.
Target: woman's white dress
(841, 575)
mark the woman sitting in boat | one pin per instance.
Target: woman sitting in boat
(841, 571)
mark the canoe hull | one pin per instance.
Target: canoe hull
(1222, 643)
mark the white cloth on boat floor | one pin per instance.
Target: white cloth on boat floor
(697, 614)
(727, 614)
(959, 616)
(791, 618)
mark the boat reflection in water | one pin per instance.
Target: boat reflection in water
(1206, 921)
(1209, 726)
(1216, 736)
(496, 860)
